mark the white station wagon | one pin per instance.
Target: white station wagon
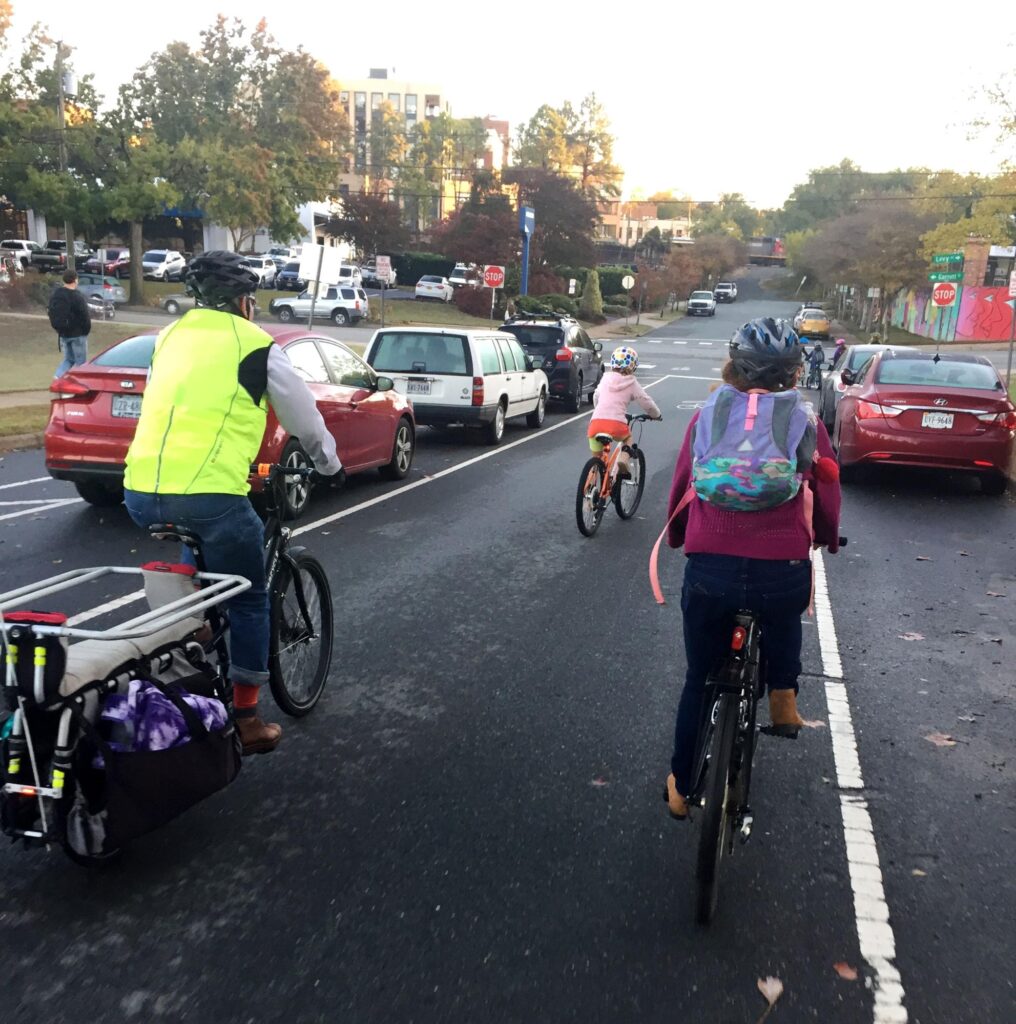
(476, 378)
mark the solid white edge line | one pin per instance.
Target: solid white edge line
(382, 498)
(102, 609)
(25, 483)
(871, 911)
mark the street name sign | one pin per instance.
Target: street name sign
(947, 257)
(946, 275)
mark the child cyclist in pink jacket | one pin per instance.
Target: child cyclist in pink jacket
(617, 389)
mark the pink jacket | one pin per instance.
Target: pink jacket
(615, 392)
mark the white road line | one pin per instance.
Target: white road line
(25, 483)
(705, 343)
(102, 609)
(53, 504)
(21, 502)
(654, 341)
(871, 911)
(680, 343)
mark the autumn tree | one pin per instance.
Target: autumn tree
(716, 256)
(479, 238)
(565, 216)
(371, 224)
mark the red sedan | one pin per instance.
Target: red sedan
(913, 408)
(97, 404)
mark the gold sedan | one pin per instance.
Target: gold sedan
(813, 323)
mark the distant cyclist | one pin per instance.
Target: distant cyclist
(213, 376)
(816, 357)
(617, 389)
(760, 486)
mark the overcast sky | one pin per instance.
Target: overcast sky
(703, 98)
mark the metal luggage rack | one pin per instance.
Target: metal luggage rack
(217, 588)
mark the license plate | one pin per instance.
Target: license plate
(127, 407)
(937, 420)
(418, 387)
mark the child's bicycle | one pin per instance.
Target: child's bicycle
(599, 483)
(63, 779)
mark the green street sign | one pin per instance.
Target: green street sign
(946, 275)
(947, 257)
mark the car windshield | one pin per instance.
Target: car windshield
(536, 337)
(410, 352)
(943, 374)
(134, 353)
(701, 295)
(813, 314)
(153, 257)
(291, 268)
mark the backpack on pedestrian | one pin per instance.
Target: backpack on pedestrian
(751, 449)
(60, 314)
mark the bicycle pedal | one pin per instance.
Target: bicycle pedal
(783, 732)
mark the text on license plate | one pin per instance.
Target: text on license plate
(418, 387)
(127, 406)
(937, 420)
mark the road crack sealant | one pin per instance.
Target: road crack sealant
(871, 911)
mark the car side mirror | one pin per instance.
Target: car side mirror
(384, 384)
(529, 364)
(597, 346)
(847, 376)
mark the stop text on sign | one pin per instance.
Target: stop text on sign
(493, 277)
(944, 294)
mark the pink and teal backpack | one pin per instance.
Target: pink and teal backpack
(750, 449)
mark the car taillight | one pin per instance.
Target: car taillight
(477, 391)
(563, 355)
(108, 287)
(840, 386)
(1005, 420)
(871, 410)
(62, 388)
(738, 639)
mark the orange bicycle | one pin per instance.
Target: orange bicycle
(599, 483)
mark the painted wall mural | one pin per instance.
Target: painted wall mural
(912, 311)
(985, 314)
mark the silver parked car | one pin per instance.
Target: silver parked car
(104, 287)
(851, 359)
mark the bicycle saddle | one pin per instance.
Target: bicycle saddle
(167, 531)
(605, 438)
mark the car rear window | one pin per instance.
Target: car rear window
(292, 268)
(134, 353)
(409, 352)
(943, 374)
(536, 337)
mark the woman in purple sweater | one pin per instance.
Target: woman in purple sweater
(757, 560)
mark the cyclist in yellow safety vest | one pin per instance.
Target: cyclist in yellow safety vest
(213, 376)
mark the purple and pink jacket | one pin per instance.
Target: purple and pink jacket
(779, 533)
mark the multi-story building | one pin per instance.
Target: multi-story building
(628, 221)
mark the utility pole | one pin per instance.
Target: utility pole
(68, 226)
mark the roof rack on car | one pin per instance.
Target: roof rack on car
(539, 316)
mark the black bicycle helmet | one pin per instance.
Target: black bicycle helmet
(766, 351)
(217, 278)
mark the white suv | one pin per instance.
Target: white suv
(21, 248)
(477, 378)
(163, 264)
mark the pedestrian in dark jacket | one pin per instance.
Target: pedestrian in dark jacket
(69, 316)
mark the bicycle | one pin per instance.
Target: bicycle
(724, 755)
(51, 789)
(814, 381)
(300, 602)
(599, 483)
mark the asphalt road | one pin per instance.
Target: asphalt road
(469, 827)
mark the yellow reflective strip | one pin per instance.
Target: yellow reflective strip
(40, 655)
(58, 779)
(14, 765)
(12, 655)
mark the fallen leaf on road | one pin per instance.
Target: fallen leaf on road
(965, 718)
(910, 636)
(994, 593)
(813, 723)
(965, 554)
(922, 558)
(599, 783)
(772, 989)
(994, 639)
(845, 971)
(918, 873)
(940, 739)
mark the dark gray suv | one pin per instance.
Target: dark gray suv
(559, 346)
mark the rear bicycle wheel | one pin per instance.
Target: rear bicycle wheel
(300, 640)
(715, 819)
(628, 493)
(589, 502)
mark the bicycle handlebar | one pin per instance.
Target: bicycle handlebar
(641, 417)
(266, 470)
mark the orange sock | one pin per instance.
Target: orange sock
(245, 696)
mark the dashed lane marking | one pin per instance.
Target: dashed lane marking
(871, 911)
(48, 507)
(25, 483)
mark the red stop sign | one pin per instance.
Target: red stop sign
(944, 294)
(493, 277)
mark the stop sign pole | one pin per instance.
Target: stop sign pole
(493, 278)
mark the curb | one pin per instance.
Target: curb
(17, 442)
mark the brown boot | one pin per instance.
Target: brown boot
(257, 737)
(783, 712)
(676, 803)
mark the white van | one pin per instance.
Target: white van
(476, 378)
(349, 274)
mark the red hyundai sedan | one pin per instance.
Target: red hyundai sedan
(96, 406)
(912, 408)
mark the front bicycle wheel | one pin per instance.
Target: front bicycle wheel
(588, 499)
(716, 818)
(300, 641)
(628, 493)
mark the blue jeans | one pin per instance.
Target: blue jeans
(715, 588)
(75, 352)
(233, 540)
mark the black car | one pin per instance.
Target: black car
(560, 347)
(288, 278)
